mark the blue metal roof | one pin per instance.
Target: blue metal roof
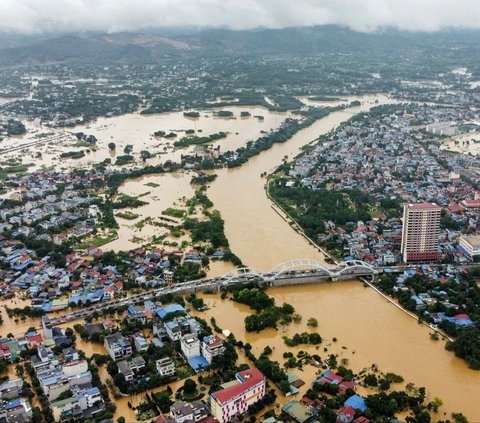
(171, 308)
(198, 363)
(356, 402)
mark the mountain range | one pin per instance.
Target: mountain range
(154, 46)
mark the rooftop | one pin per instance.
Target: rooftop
(248, 379)
(423, 206)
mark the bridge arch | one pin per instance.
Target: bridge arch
(342, 269)
(242, 272)
(298, 264)
(351, 266)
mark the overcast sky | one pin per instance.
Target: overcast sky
(32, 16)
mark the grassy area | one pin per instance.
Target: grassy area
(375, 213)
(127, 215)
(174, 212)
(98, 241)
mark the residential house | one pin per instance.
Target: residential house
(118, 346)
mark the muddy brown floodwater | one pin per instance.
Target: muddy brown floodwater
(256, 232)
(372, 331)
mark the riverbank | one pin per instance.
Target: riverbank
(295, 225)
(409, 313)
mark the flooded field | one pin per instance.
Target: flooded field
(137, 130)
(465, 144)
(160, 192)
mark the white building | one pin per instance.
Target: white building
(470, 245)
(174, 331)
(190, 345)
(93, 210)
(74, 368)
(165, 367)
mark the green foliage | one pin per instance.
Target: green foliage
(127, 201)
(303, 338)
(467, 346)
(189, 386)
(122, 160)
(73, 154)
(15, 127)
(195, 140)
(255, 298)
(189, 272)
(224, 113)
(272, 370)
(170, 211)
(203, 179)
(191, 114)
(311, 208)
(211, 230)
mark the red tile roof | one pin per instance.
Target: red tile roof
(251, 377)
(346, 411)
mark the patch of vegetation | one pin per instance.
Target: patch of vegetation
(268, 315)
(170, 211)
(127, 214)
(303, 338)
(195, 140)
(124, 201)
(203, 179)
(191, 114)
(224, 113)
(73, 154)
(125, 159)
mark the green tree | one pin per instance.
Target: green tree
(144, 154)
(189, 386)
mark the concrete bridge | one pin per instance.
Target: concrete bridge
(299, 269)
(292, 272)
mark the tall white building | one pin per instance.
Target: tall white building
(420, 232)
(190, 345)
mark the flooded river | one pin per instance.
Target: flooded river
(256, 232)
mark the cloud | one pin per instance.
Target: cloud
(35, 16)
